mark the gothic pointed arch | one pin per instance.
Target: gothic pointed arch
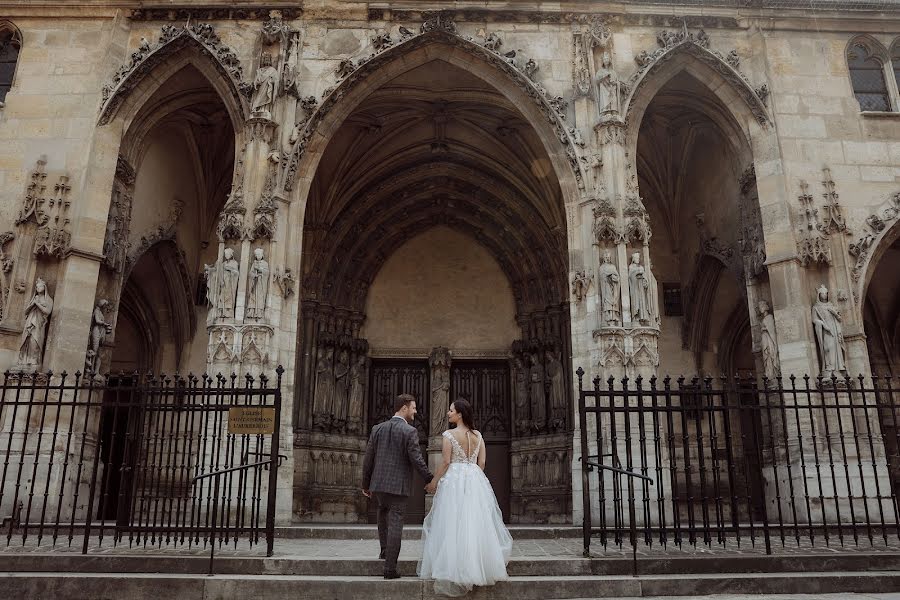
(437, 40)
(197, 44)
(684, 51)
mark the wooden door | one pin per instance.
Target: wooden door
(389, 378)
(485, 384)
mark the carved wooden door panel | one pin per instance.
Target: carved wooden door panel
(389, 378)
(486, 385)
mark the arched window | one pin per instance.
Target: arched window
(895, 62)
(867, 74)
(10, 44)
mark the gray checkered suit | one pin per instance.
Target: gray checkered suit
(393, 451)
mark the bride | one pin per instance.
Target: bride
(465, 541)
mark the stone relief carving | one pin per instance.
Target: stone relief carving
(671, 42)
(537, 395)
(876, 222)
(324, 393)
(768, 340)
(34, 333)
(53, 236)
(608, 280)
(520, 393)
(231, 221)
(382, 41)
(265, 88)
(358, 380)
(341, 386)
(118, 221)
(834, 214)
(220, 13)
(812, 243)
(258, 293)
(171, 39)
(34, 199)
(637, 220)
(264, 213)
(826, 319)
(581, 283)
(100, 328)
(222, 283)
(222, 346)
(558, 397)
(285, 281)
(605, 228)
(639, 291)
(439, 362)
(751, 239)
(6, 266)
(493, 42)
(436, 24)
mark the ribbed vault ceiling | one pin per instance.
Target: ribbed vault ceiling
(436, 146)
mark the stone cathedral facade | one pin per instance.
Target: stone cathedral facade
(465, 202)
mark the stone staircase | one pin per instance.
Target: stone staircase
(335, 562)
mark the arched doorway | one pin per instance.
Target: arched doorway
(175, 169)
(881, 321)
(692, 162)
(435, 178)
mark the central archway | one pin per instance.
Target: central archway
(435, 142)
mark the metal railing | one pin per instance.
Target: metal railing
(137, 460)
(736, 461)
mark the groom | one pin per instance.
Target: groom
(392, 452)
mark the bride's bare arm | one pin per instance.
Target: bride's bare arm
(446, 453)
(482, 453)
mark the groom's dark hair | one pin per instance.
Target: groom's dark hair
(402, 400)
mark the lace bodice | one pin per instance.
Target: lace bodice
(459, 453)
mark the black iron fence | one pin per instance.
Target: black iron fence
(138, 460)
(731, 461)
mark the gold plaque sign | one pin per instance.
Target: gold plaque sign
(251, 420)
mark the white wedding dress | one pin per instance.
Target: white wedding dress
(464, 538)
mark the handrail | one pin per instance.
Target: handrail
(215, 509)
(631, 512)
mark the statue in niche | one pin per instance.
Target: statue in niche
(608, 278)
(581, 282)
(324, 382)
(440, 399)
(538, 396)
(557, 389)
(609, 87)
(520, 374)
(357, 394)
(100, 328)
(34, 334)
(230, 272)
(768, 343)
(341, 386)
(826, 320)
(265, 87)
(259, 286)
(639, 291)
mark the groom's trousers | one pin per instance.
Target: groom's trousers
(390, 526)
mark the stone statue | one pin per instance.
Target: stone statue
(440, 400)
(558, 404)
(265, 87)
(520, 374)
(229, 274)
(34, 333)
(639, 291)
(608, 280)
(357, 395)
(259, 286)
(608, 85)
(538, 396)
(826, 320)
(324, 382)
(99, 330)
(581, 282)
(341, 385)
(768, 343)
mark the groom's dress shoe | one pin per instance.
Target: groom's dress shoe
(381, 556)
(392, 575)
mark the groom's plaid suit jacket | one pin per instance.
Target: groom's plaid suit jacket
(392, 452)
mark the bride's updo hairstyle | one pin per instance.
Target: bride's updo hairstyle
(465, 412)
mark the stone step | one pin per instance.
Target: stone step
(66, 562)
(31, 585)
(414, 532)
